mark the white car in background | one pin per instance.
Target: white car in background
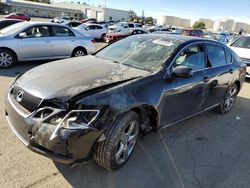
(123, 27)
(242, 48)
(95, 30)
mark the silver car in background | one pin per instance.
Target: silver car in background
(28, 41)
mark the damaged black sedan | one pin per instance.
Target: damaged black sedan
(96, 106)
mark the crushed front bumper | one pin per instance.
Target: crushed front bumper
(67, 147)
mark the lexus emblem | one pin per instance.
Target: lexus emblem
(19, 96)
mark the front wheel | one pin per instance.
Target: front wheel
(121, 139)
(7, 58)
(229, 100)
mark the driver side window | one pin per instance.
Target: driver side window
(193, 57)
(37, 32)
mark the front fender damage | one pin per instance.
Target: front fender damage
(72, 143)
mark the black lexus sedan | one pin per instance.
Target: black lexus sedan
(96, 106)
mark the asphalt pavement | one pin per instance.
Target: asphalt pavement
(209, 150)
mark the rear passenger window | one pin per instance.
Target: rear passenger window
(216, 55)
(229, 56)
(61, 32)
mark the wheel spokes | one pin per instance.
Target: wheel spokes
(120, 151)
(130, 128)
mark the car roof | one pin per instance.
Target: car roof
(43, 23)
(11, 20)
(178, 38)
(87, 23)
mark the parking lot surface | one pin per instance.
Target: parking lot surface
(209, 150)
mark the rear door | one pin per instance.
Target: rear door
(36, 44)
(62, 42)
(220, 74)
(90, 30)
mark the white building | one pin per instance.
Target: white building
(239, 25)
(64, 9)
(173, 21)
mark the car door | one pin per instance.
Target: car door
(220, 74)
(99, 31)
(183, 97)
(90, 30)
(34, 43)
(62, 42)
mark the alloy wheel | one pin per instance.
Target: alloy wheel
(5, 59)
(79, 53)
(127, 142)
(230, 99)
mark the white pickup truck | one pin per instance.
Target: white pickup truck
(123, 27)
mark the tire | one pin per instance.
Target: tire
(103, 37)
(78, 52)
(228, 102)
(7, 58)
(115, 150)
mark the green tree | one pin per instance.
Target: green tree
(199, 25)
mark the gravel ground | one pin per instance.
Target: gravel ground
(209, 150)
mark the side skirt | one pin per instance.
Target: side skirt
(188, 117)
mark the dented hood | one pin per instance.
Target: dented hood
(66, 78)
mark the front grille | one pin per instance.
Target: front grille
(29, 102)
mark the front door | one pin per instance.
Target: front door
(185, 96)
(35, 43)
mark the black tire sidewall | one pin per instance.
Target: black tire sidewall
(114, 165)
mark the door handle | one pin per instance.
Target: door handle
(206, 79)
(47, 41)
(73, 40)
(231, 71)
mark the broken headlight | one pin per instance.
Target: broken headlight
(79, 119)
(75, 120)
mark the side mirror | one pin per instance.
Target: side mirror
(183, 72)
(22, 35)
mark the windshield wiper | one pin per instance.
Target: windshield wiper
(129, 65)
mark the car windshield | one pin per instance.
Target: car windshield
(10, 30)
(243, 42)
(143, 52)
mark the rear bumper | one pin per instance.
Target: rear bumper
(67, 147)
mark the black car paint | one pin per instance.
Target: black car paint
(160, 98)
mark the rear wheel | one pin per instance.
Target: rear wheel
(79, 52)
(229, 100)
(121, 139)
(7, 58)
(103, 37)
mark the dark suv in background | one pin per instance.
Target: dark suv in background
(193, 32)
